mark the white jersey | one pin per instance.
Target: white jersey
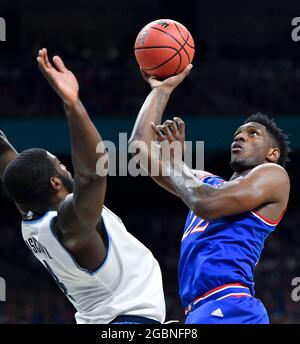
(129, 281)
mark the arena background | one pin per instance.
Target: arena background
(246, 61)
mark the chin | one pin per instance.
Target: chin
(241, 165)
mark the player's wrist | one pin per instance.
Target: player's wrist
(72, 101)
(162, 89)
(70, 105)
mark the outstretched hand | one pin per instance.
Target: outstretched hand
(168, 84)
(60, 78)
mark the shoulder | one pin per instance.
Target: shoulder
(270, 171)
(271, 179)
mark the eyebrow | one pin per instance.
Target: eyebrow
(248, 127)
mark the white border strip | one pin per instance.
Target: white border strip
(216, 291)
(234, 294)
(264, 221)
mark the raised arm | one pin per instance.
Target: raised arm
(152, 111)
(80, 213)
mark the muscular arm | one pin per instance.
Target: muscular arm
(265, 184)
(7, 153)
(152, 111)
(79, 214)
(89, 188)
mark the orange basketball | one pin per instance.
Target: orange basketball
(164, 48)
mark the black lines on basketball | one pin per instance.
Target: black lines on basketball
(156, 47)
(168, 60)
(183, 37)
(167, 33)
(181, 45)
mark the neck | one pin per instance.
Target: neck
(240, 174)
(34, 212)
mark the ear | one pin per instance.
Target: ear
(56, 183)
(273, 155)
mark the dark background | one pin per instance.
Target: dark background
(245, 62)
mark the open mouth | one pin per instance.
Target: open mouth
(237, 147)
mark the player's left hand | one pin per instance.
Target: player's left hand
(60, 78)
(171, 131)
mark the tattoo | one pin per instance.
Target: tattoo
(190, 189)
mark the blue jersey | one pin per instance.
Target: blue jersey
(222, 251)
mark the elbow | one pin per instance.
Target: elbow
(133, 146)
(204, 210)
(95, 169)
(90, 178)
(134, 140)
(137, 146)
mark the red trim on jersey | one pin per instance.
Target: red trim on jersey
(218, 288)
(271, 222)
(207, 175)
(238, 295)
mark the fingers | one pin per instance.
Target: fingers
(170, 130)
(158, 132)
(59, 64)
(144, 74)
(171, 126)
(180, 124)
(188, 68)
(46, 59)
(167, 131)
(166, 128)
(44, 64)
(186, 72)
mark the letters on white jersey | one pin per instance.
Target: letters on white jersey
(128, 282)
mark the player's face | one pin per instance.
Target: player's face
(250, 147)
(63, 173)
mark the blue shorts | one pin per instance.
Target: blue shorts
(230, 310)
(132, 319)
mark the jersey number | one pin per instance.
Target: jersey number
(58, 282)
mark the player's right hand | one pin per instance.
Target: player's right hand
(60, 78)
(168, 84)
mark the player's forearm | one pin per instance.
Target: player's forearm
(85, 138)
(151, 111)
(196, 195)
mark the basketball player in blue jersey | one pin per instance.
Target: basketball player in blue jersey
(106, 273)
(228, 221)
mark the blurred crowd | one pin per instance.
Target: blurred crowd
(33, 297)
(111, 85)
(231, 76)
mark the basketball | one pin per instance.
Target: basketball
(164, 48)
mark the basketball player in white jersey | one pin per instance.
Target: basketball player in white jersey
(107, 274)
